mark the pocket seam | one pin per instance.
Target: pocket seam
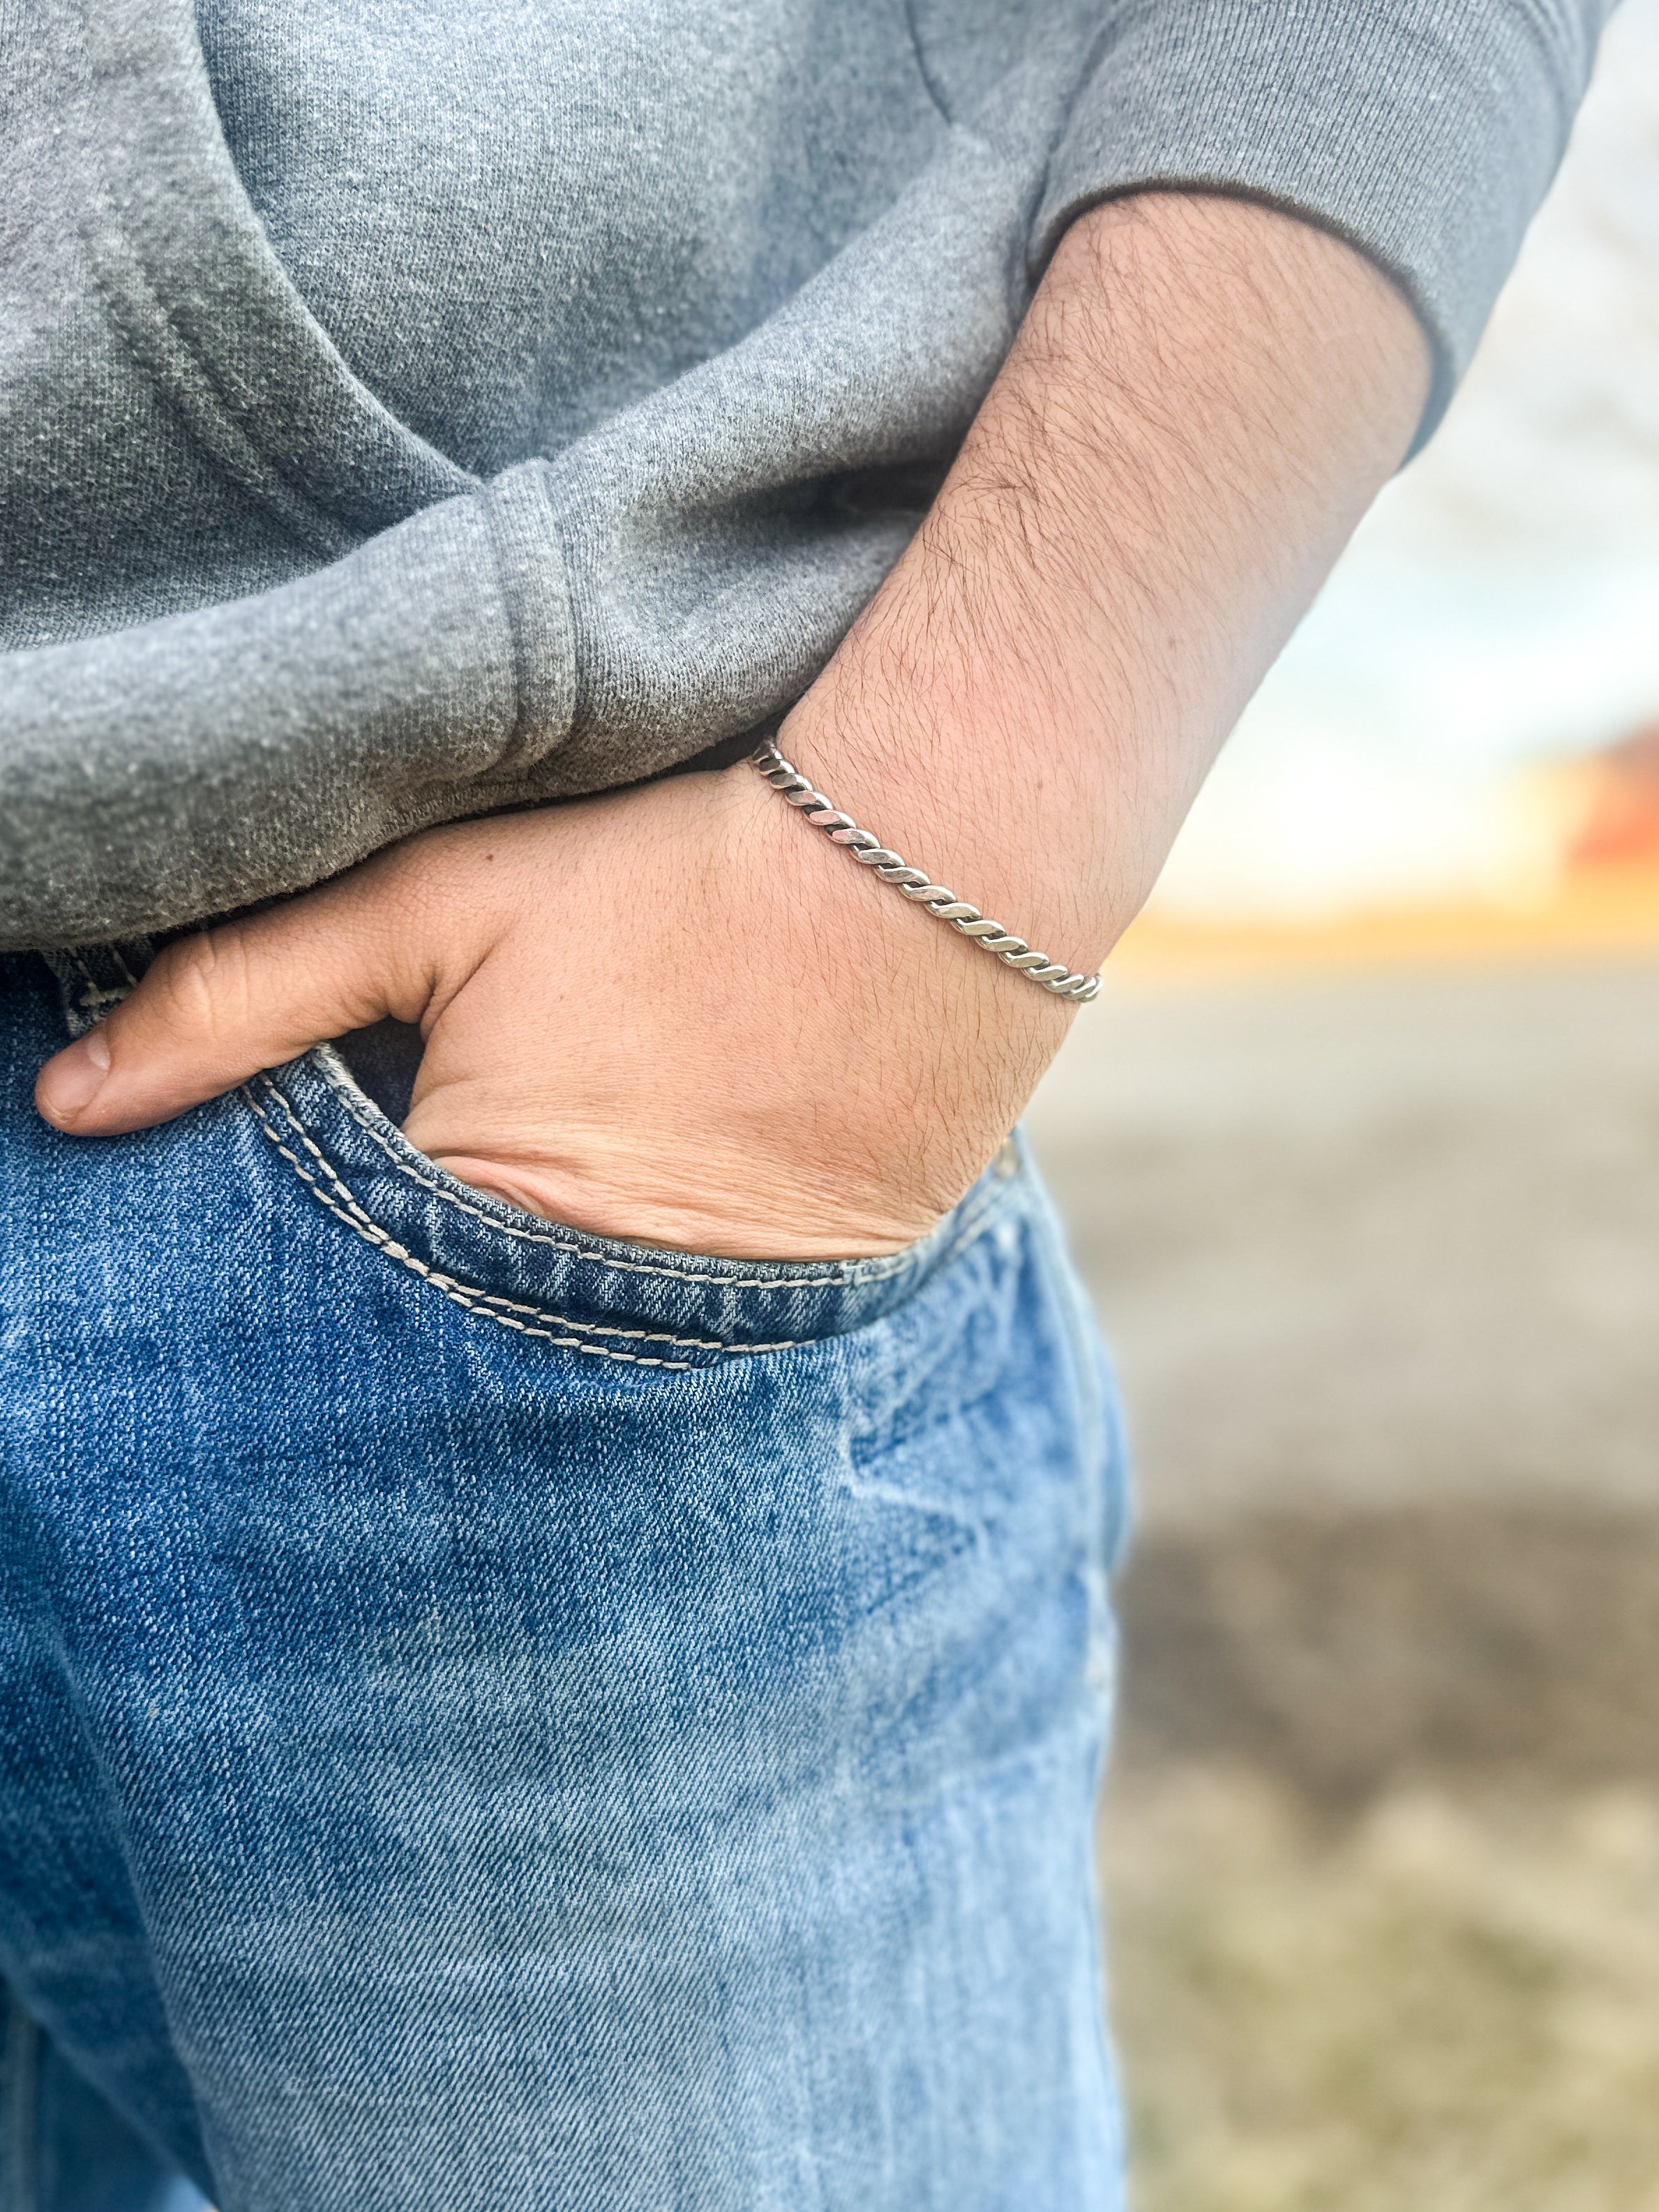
(468, 1295)
(346, 1208)
(868, 1270)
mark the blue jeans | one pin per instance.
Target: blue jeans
(491, 1717)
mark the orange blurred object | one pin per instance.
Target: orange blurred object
(1585, 883)
(1620, 824)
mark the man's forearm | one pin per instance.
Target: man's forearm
(749, 1046)
(1204, 398)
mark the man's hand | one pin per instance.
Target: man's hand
(674, 1014)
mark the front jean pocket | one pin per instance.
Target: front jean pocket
(557, 1286)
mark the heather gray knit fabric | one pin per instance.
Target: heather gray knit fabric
(412, 408)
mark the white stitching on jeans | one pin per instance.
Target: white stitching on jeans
(372, 1234)
(347, 1209)
(94, 996)
(873, 1273)
(463, 1294)
(377, 1235)
(485, 1297)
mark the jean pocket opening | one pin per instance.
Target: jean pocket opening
(655, 1304)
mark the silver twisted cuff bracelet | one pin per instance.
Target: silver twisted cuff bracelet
(869, 851)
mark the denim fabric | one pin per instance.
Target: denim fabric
(63, 2147)
(492, 1717)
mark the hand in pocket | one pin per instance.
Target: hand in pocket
(670, 1014)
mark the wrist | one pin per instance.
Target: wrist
(917, 886)
(950, 785)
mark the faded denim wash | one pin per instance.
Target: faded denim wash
(491, 1717)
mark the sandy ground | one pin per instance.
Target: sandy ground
(1450, 2005)
(1376, 1239)
(1379, 1256)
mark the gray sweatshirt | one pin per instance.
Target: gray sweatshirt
(414, 407)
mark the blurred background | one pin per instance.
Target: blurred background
(1360, 1155)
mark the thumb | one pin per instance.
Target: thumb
(214, 1008)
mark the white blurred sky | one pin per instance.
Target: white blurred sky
(1501, 603)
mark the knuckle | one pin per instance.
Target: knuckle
(204, 984)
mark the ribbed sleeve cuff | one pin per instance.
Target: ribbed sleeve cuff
(1424, 132)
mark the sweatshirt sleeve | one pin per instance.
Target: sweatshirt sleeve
(1425, 132)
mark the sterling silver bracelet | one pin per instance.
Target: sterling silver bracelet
(868, 849)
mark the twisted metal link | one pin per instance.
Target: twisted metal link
(869, 851)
